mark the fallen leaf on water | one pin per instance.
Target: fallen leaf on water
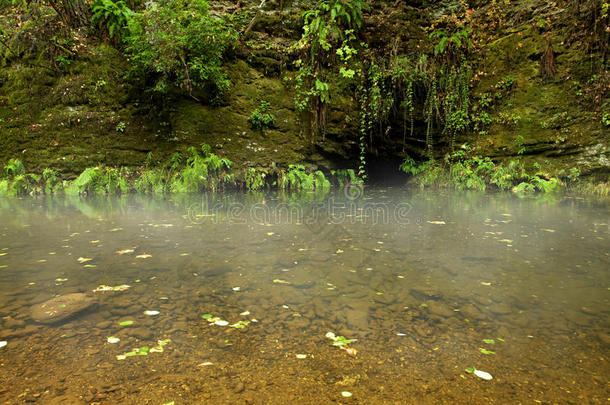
(104, 287)
(95, 241)
(126, 323)
(151, 313)
(485, 283)
(3, 343)
(205, 363)
(346, 394)
(548, 230)
(61, 279)
(3, 266)
(278, 281)
(3, 254)
(113, 339)
(84, 259)
(124, 251)
(221, 322)
(301, 356)
(89, 266)
(485, 351)
(236, 288)
(489, 341)
(483, 374)
(270, 233)
(245, 313)
(437, 222)
(144, 256)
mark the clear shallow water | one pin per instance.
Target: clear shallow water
(419, 278)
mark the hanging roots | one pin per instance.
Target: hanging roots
(548, 67)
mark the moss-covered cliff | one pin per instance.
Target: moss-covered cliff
(87, 112)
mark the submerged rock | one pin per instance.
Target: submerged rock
(62, 307)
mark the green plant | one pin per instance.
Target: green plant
(452, 44)
(296, 178)
(111, 17)
(120, 127)
(255, 178)
(179, 43)
(328, 32)
(606, 119)
(14, 167)
(519, 142)
(261, 118)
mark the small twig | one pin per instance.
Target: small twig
(258, 12)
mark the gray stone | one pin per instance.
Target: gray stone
(141, 333)
(440, 309)
(59, 308)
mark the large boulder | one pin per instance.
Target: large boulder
(62, 307)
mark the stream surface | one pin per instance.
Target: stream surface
(422, 282)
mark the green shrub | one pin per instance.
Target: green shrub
(179, 43)
(261, 118)
(255, 178)
(14, 167)
(111, 17)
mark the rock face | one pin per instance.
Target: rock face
(60, 308)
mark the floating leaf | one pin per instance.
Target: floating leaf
(125, 251)
(103, 288)
(113, 339)
(61, 279)
(346, 394)
(89, 265)
(221, 322)
(484, 283)
(206, 316)
(483, 374)
(84, 259)
(3, 343)
(437, 222)
(423, 305)
(301, 356)
(240, 324)
(278, 281)
(126, 323)
(245, 313)
(489, 341)
(205, 364)
(143, 256)
(236, 288)
(485, 351)
(151, 313)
